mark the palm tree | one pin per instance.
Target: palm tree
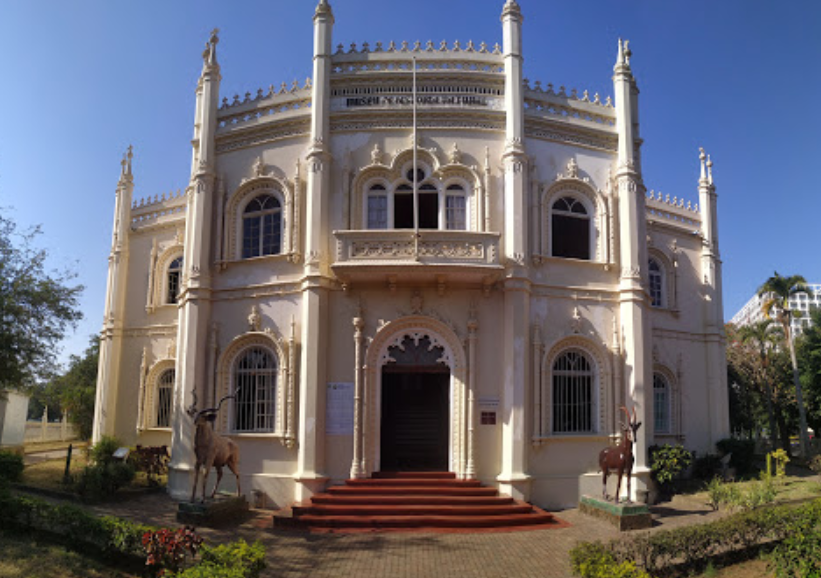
(776, 292)
(761, 336)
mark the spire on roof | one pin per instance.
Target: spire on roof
(624, 54)
(324, 7)
(702, 158)
(125, 164)
(209, 55)
(511, 6)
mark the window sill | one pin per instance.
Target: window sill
(544, 259)
(581, 437)
(158, 429)
(275, 257)
(254, 435)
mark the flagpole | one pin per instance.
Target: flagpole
(415, 187)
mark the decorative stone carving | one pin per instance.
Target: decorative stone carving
(576, 323)
(416, 302)
(572, 169)
(254, 319)
(259, 167)
(376, 155)
(455, 155)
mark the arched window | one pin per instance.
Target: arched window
(573, 393)
(661, 404)
(455, 208)
(165, 391)
(378, 207)
(255, 384)
(656, 279)
(173, 281)
(440, 204)
(262, 227)
(570, 225)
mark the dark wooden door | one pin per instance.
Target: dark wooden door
(415, 423)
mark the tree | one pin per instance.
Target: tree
(37, 307)
(777, 291)
(760, 336)
(77, 387)
(808, 349)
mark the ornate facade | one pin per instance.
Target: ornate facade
(476, 285)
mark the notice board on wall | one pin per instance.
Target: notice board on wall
(339, 409)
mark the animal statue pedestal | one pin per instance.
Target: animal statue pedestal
(223, 508)
(623, 515)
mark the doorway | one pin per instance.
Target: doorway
(415, 418)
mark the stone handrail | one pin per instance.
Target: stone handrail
(434, 247)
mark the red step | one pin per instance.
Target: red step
(420, 501)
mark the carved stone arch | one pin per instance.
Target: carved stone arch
(393, 334)
(593, 200)
(228, 360)
(669, 287)
(674, 402)
(280, 188)
(602, 372)
(151, 393)
(159, 289)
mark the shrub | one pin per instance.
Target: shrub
(667, 462)
(103, 451)
(781, 459)
(167, 550)
(593, 560)
(815, 464)
(799, 554)
(102, 480)
(239, 554)
(706, 466)
(153, 460)
(743, 458)
(11, 466)
(757, 494)
(688, 549)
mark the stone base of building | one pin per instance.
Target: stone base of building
(624, 515)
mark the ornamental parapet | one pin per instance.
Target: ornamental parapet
(430, 57)
(559, 105)
(158, 210)
(471, 256)
(285, 103)
(675, 212)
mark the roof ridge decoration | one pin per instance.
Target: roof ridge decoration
(675, 202)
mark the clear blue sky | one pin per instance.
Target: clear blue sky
(84, 79)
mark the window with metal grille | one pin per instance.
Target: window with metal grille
(455, 208)
(255, 381)
(262, 227)
(573, 393)
(174, 275)
(570, 223)
(656, 279)
(165, 391)
(661, 404)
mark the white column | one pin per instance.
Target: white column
(111, 335)
(473, 326)
(194, 319)
(638, 374)
(357, 467)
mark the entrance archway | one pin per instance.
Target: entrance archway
(415, 408)
(415, 363)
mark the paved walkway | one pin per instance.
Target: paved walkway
(292, 554)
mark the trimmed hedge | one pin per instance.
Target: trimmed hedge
(688, 549)
(106, 535)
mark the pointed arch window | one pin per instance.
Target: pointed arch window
(173, 279)
(165, 391)
(255, 387)
(656, 279)
(455, 208)
(570, 226)
(378, 207)
(574, 390)
(661, 404)
(262, 227)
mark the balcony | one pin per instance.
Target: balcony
(451, 257)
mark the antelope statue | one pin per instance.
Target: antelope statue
(212, 450)
(620, 458)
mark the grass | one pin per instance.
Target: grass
(27, 556)
(34, 447)
(791, 488)
(48, 475)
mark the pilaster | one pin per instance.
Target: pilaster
(111, 334)
(194, 317)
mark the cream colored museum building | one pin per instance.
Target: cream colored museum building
(416, 260)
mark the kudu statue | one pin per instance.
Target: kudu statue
(212, 449)
(620, 458)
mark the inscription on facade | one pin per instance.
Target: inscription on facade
(428, 100)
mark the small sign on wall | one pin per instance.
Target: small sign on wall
(488, 418)
(339, 409)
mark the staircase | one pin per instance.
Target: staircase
(415, 501)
